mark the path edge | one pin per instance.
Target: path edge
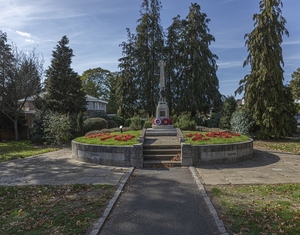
(210, 206)
(99, 224)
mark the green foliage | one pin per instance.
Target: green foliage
(57, 128)
(148, 123)
(295, 84)
(100, 115)
(268, 100)
(36, 129)
(64, 92)
(112, 124)
(92, 124)
(242, 122)
(127, 122)
(214, 120)
(193, 84)
(228, 108)
(119, 120)
(184, 123)
(79, 122)
(136, 123)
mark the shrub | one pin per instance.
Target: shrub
(36, 129)
(214, 120)
(136, 123)
(228, 108)
(183, 122)
(148, 123)
(99, 115)
(57, 128)
(242, 122)
(127, 122)
(92, 124)
(119, 120)
(112, 124)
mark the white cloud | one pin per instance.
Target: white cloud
(30, 40)
(230, 64)
(24, 34)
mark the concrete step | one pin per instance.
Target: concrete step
(162, 151)
(161, 164)
(161, 132)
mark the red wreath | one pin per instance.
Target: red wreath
(165, 121)
(170, 121)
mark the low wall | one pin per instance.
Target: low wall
(218, 153)
(109, 155)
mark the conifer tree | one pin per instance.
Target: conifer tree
(295, 84)
(148, 52)
(195, 72)
(268, 100)
(64, 92)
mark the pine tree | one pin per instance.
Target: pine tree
(127, 87)
(148, 51)
(64, 92)
(295, 84)
(198, 78)
(267, 99)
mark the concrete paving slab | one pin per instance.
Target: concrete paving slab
(266, 167)
(57, 168)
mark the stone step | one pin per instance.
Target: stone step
(162, 151)
(161, 164)
(161, 132)
(159, 157)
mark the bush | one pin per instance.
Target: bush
(136, 123)
(214, 120)
(228, 108)
(119, 120)
(36, 129)
(183, 122)
(92, 124)
(148, 123)
(57, 128)
(242, 122)
(99, 115)
(127, 122)
(112, 124)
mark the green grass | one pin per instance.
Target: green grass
(10, 150)
(234, 139)
(284, 145)
(258, 209)
(111, 141)
(64, 209)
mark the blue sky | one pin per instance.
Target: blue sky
(95, 29)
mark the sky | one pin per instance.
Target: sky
(96, 28)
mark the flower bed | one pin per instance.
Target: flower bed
(106, 136)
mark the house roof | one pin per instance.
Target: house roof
(90, 98)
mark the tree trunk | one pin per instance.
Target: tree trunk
(16, 129)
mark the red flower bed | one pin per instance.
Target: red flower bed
(106, 136)
(199, 136)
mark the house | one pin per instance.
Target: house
(93, 105)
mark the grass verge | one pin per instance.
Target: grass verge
(286, 145)
(258, 209)
(64, 209)
(111, 141)
(10, 150)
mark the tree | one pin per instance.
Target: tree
(268, 100)
(20, 76)
(295, 84)
(96, 82)
(228, 108)
(148, 52)
(195, 71)
(127, 84)
(112, 106)
(64, 93)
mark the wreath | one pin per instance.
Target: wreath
(157, 121)
(165, 121)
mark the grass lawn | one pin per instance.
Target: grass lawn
(64, 209)
(110, 138)
(284, 145)
(10, 150)
(258, 209)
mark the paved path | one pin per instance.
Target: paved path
(160, 201)
(58, 168)
(266, 167)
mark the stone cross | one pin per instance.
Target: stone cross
(162, 64)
